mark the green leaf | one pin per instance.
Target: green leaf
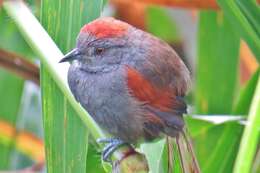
(250, 138)
(215, 144)
(11, 39)
(66, 136)
(11, 87)
(154, 154)
(197, 126)
(93, 160)
(161, 24)
(217, 67)
(244, 16)
(246, 95)
(217, 74)
(256, 166)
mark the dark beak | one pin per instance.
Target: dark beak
(72, 55)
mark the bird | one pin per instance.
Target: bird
(132, 83)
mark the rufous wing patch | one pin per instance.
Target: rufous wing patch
(144, 91)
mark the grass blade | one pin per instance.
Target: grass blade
(154, 153)
(217, 64)
(245, 97)
(66, 136)
(215, 90)
(250, 136)
(244, 15)
(211, 141)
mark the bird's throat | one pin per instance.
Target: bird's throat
(99, 69)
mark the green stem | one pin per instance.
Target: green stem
(49, 55)
(250, 136)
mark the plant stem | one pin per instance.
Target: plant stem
(49, 55)
(19, 65)
(250, 136)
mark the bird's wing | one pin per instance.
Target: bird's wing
(164, 99)
(161, 84)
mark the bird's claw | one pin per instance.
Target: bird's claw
(106, 140)
(111, 146)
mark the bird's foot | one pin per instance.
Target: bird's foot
(111, 145)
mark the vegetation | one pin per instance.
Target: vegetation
(226, 85)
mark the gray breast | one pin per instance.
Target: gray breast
(105, 96)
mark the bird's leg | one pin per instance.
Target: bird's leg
(111, 145)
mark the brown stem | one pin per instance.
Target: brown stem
(181, 154)
(192, 153)
(19, 66)
(130, 161)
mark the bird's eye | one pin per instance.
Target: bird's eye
(99, 50)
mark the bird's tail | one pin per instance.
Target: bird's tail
(185, 153)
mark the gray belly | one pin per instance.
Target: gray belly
(106, 98)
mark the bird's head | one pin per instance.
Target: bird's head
(101, 45)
